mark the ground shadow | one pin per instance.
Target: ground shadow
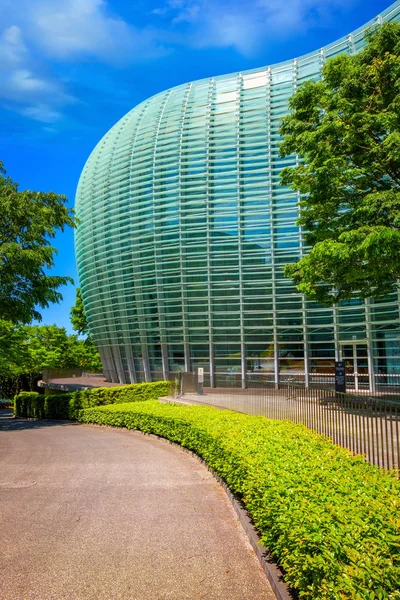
(10, 423)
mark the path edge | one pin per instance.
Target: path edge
(274, 574)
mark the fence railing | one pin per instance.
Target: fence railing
(379, 384)
(368, 425)
(383, 385)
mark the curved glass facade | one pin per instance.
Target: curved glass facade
(184, 231)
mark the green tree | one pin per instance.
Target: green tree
(11, 345)
(346, 129)
(28, 349)
(83, 354)
(85, 351)
(43, 346)
(49, 346)
(28, 221)
(78, 315)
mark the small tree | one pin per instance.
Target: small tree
(347, 129)
(11, 350)
(78, 315)
(26, 350)
(45, 346)
(28, 221)
(85, 351)
(83, 354)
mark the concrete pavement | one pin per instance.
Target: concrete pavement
(105, 514)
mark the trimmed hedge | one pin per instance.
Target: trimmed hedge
(331, 519)
(67, 406)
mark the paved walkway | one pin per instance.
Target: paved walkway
(105, 514)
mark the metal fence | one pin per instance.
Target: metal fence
(380, 384)
(368, 425)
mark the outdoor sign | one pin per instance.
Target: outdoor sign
(200, 380)
(340, 376)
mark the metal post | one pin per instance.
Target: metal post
(131, 364)
(186, 349)
(200, 381)
(164, 358)
(118, 364)
(146, 363)
(243, 364)
(336, 331)
(355, 367)
(370, 347)
(212, 365)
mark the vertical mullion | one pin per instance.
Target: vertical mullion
(115, 351)
(159, 286)
(183, 277)
(137, 283)
(240, 235)
(272, 233)
(371, 373)
(336, 331)
(128, 341)
(301, 248)
(208, 234)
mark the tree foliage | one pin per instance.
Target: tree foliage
(49, 346)
(25, 350)
(78, 315)
(28, 221)
(346, 128)
(80, 325)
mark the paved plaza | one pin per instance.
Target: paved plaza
(94, 513)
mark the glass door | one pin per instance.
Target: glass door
(356, 358)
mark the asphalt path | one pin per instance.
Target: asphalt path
(89, 512)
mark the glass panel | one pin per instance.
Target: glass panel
(185, 229)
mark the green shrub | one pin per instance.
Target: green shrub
(331, 519)
(29, 404)
(67, 406)
(136, 392)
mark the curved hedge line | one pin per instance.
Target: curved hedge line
(331, 520)
(67, 406)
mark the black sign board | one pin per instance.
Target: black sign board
(340, 376)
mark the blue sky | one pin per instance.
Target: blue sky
(69, 69)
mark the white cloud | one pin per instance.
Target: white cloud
(41, 33)
(24, 88)
(85, 27)
(247, 25)
(43, 113)
(26, 82)
(12, 47)
(294, 14)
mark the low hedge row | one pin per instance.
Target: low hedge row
(331, 520)
(67, 406)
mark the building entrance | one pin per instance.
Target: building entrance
(357, 372)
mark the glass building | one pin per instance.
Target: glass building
(184, 231)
